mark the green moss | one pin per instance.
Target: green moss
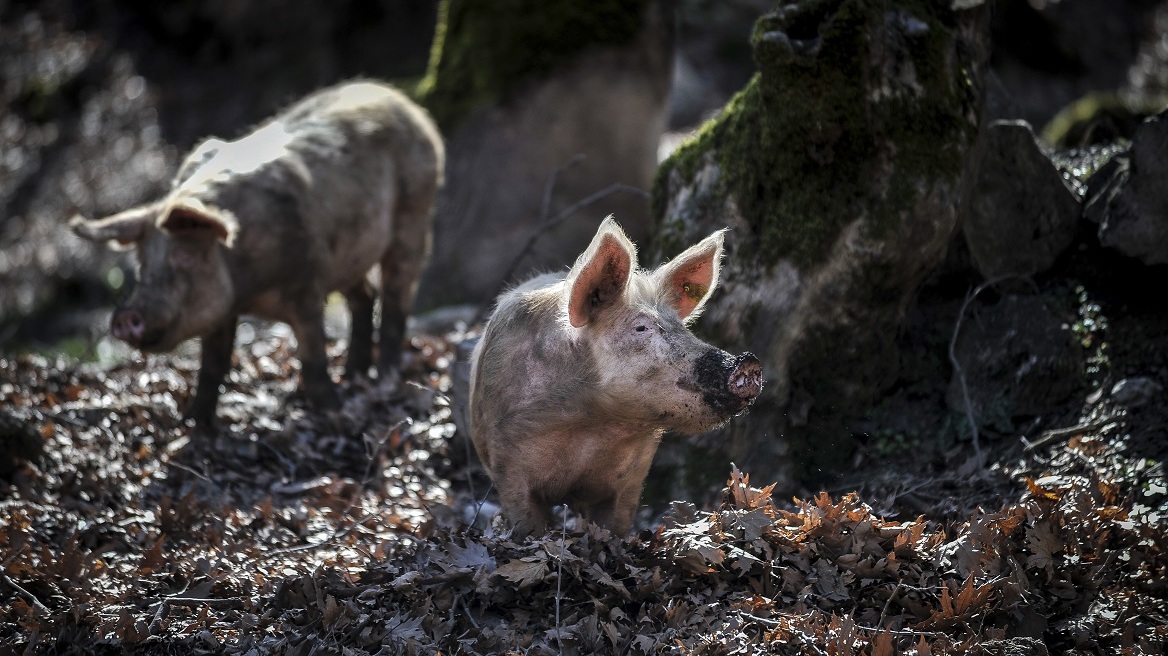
(484, 52)
(800, 145)
(1099, 117)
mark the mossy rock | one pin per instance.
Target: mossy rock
(838, 168)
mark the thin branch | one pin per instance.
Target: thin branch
(546, 223)
(970, 415)
(1059, 434)
(545, 207)
(227, 604)
(560, 576)
(28, 596)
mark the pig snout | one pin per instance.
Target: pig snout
(128, 325)
(745, 380)
(729, 384)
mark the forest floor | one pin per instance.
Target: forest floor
(294, 532)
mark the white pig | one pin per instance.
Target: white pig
(577, 377)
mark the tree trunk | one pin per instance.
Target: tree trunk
(543, 105)
(838, 170)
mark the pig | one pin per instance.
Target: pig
(577, 376)
(267, 225)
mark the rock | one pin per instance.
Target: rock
(1017, 357)
(1131, 204)
(541, 109)
(840, 196)
(1021, 213)
(1136, 391)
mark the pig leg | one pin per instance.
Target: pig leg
(520, 507)
(216, 362)
(314, 377)
(360, 299)
(400, 268)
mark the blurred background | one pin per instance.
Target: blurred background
(99, 100)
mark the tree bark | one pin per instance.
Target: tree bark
(543, 105)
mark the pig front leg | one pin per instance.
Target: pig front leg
(315, 381)
(521, 508)
(360, 298)
(216, 362)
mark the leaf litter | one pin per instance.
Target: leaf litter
(294, 532)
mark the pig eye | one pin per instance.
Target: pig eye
(641, 329)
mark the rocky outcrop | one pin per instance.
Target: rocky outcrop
(543, 107)
(1129, 199)
(1015, 357)
(1020, 213)
(841, 198)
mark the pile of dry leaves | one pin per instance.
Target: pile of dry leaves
(296, 533)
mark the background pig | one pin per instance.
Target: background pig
(576, 378)
(269, 224)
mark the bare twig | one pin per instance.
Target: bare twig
(227, 604)
(479, 506)
(1059, 434)
(891, 597)
(560, 576)
(547, 223)
(36, 603)
(968, 402)
(337, 535)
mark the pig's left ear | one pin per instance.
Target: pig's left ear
(601, 273)
(688, 279)
(197, 221)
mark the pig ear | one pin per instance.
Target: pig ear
(689, 279)
(197, 222)
(600, 274)
(120, 230)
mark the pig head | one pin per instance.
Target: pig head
(184, 286)
(577, 377)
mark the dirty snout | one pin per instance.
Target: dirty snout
(729, 384)
(128, 325)
(131, 326)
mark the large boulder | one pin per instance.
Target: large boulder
(543, 106)
(1020, 214)
(1129, 199)
(837, 170)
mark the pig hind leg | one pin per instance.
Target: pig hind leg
(216, 352)
(360, 298)
(400, 268)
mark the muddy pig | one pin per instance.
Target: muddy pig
(269, 224)
(577, 377)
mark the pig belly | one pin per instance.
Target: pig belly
(596, 465)
(355, 252)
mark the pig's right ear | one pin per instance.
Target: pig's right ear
(601, 273)
(120, 230)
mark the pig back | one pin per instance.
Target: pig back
(375, 163)
(322, 190)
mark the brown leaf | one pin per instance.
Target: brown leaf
(525, 571)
